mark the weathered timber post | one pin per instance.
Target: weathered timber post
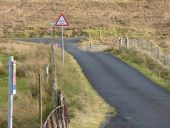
(61, 110)
(151, 50)
(46, 72)
(100, 33)
(54, 74)
(90, 46)
(52, 123)
(157, 53)
(137, 44)
(127, 42)
(120, 42)
(164, 59)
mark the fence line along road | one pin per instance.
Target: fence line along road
(152, 49)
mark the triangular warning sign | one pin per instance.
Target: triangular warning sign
(61, 21)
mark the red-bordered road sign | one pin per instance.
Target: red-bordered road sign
(61, 21)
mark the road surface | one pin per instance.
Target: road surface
(140, 103)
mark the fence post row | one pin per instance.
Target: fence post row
(54, 85)
(147, 47)
(157, 52)
(124, 41)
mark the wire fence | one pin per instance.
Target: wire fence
(152, 49)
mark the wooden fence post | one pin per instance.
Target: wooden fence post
(119, 43)
(138, 45)
(90, 46)
(47, 126)
(62, 111)
(59, 97)
(57, 119)
(54, 84)
(100, 33)
(46, 72)
(127, 42)
(165, 58)
(152, 51)
(52, 125)
(54, 120)
(157, 53)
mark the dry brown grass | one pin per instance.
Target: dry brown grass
(30, 18)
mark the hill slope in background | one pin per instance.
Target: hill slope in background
(136, 18)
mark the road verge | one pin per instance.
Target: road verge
(146, 65)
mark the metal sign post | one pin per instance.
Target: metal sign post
(62, 22)
(62, 43)
(11, 89)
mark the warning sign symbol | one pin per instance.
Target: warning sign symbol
(61, 21)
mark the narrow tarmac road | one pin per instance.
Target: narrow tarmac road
(140, 103)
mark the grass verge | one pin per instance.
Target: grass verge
(146, 65)
(87, 109)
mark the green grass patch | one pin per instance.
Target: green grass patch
(146, 65)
